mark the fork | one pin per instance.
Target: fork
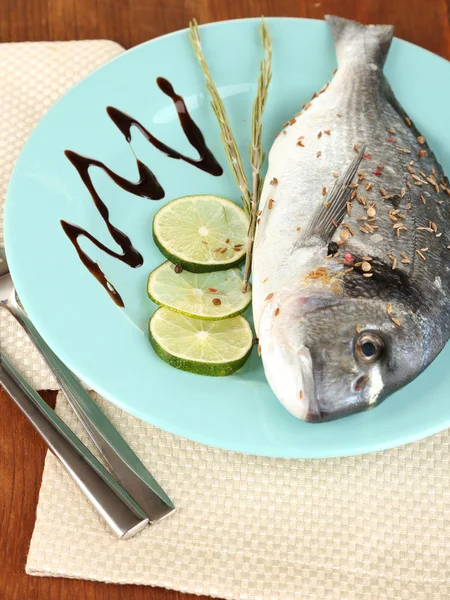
(123, 462)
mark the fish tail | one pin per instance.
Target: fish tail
(360, 43)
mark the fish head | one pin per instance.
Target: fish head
(326, 358)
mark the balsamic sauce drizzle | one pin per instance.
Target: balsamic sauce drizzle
(147, 185)
(205, 162)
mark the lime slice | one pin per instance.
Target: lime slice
(201, 233)
(204, 347)
(216, 295)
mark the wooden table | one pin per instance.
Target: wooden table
(129, 22)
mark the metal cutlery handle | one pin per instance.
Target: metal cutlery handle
(124, 463)
(113, 504)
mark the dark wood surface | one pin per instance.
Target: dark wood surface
(129, 22)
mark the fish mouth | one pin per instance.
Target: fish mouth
(290, 375)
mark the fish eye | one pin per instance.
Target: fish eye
(369, 347)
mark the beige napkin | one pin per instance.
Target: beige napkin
(373, 527)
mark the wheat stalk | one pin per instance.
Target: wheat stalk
(250, 200)
(231, 149)
(255, 151)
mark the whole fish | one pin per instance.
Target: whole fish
(350, 270)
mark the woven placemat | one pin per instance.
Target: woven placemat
(372, 527)
(369, 527)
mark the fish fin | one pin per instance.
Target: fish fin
(321, 224)
(364, 43)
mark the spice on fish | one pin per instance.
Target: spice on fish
(299, 143)
(277, 312)
(378, 173)
(273, 181)
(324, 191)
(327, 131)
(403, 192)
(298, 228)
(334, 223)
(368, 186)
(408, 206)
(393, 259)
(408, 121)
(338, 115)
(269, 297)
(203, 242)
(405, 260)
(178, 269)
(271, 203)
(395, 321)
(367, 274)
(366, 266)
(420, 254)
(405, 150)
(422, 199)
(367, 156)
(259, 349)
(421, 139)
(335, 174)
(258, 213)
(421, 153)
(346, 226)
(223, 250)
(356, 148)
(391, 130)
(319, 135)
(344, 235)
(301, 394)
(217, 301)
(358, 328)
(390, 139)
(264, 280)
(318, 153)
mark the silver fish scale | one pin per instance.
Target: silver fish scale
(315, 308)
(366, 118)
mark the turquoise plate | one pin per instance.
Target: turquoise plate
(107, 346)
